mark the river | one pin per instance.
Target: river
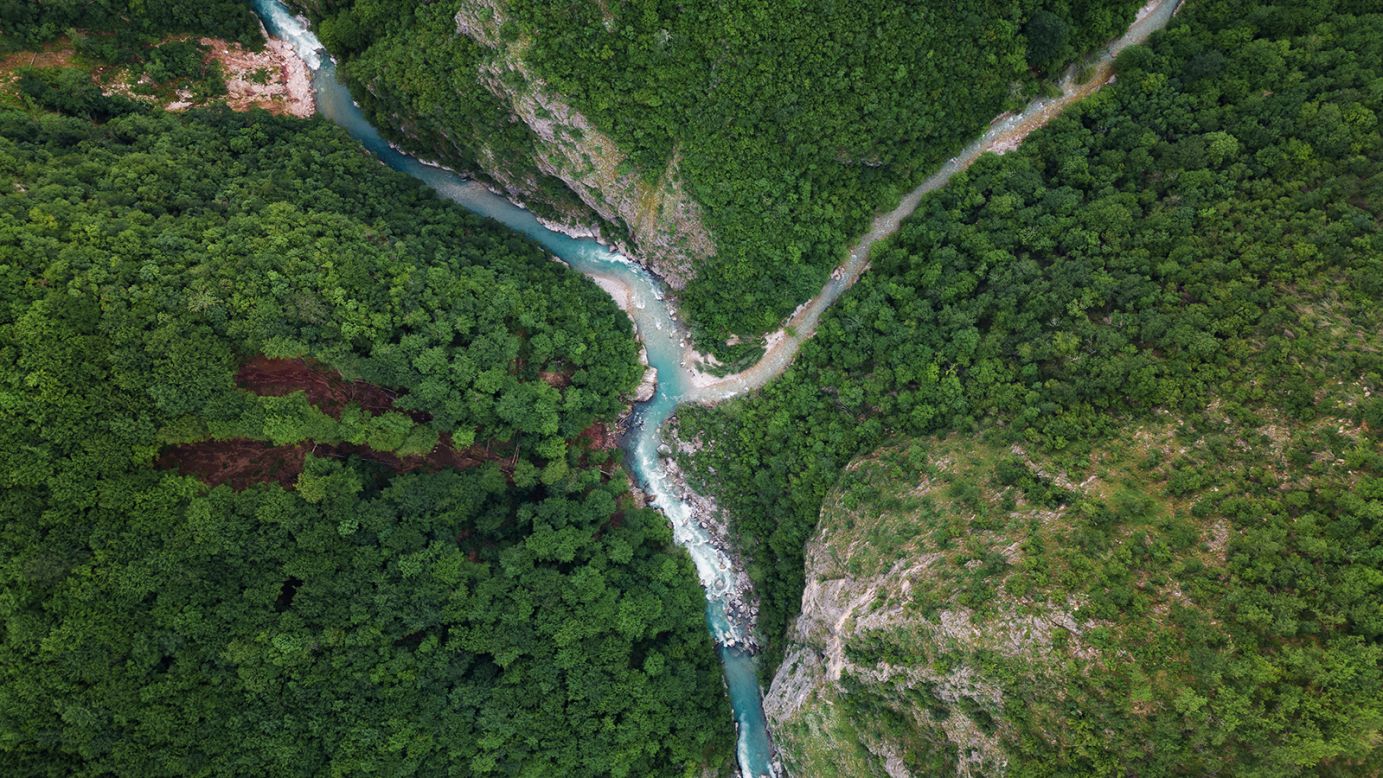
(665, 339)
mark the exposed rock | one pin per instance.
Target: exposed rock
(663, 222)
(742, 604)
(288, 88)
(861, 593)
(275, 79)
(648, 387)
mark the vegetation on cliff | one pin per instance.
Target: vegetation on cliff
(1202, 234)
(790, 124)
(501, 612)
(974, 605)
(418, 79)
(126, 21)
(795, 122)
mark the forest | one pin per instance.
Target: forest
(792, 123)
(305, 471)
(454, 578)
(1198, 240)
(26, 23)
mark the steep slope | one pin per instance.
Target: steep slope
(1198, 240)
(661, 220)
(973, 609)
(736, 148)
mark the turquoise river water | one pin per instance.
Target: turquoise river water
(663, 338)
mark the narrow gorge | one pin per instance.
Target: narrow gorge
(730, 606)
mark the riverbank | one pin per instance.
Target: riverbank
(275, 79)
(697, 523)
(741, 601)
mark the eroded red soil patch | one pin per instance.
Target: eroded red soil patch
(238, 463)
(444, 457)
(241, 464)
(325, 388)
(599, 436)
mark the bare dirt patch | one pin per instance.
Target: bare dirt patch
(324, 387)
(599, 437)
(556, 379)
(241, 464)
(274, 79)
(238, 463)
(57, 55)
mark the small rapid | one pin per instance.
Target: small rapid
(667, 342)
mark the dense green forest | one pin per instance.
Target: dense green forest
(25, 22)
(1203, 234)
(1030, 612)
(418, 82)
(510, 612)
(792, 123)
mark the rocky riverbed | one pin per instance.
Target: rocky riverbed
(741, 602)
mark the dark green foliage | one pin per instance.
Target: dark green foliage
(794, 122)
(448, 623)
(33, 21)
(71, 91)
(174, 60)
(1048, 37)
(418, 82)
(183, 65)
(1206, 229)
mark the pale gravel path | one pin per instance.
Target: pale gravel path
(1006, 133)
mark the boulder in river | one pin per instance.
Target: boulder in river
(648, 386)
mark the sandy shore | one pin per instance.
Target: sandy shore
(620, 291)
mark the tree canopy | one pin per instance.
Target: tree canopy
(506, 617)
(26, 23)
(792, 123)
(1201, 234)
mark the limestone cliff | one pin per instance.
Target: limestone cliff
(978, 608)
(891, 666)
(663, 224)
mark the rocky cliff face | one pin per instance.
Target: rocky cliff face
(908, 649)
(663, 224)
(976, 608)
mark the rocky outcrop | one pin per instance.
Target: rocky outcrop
(662, 222)
(648, 386)
(741, 601)
(883, 628)
(274, 78)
